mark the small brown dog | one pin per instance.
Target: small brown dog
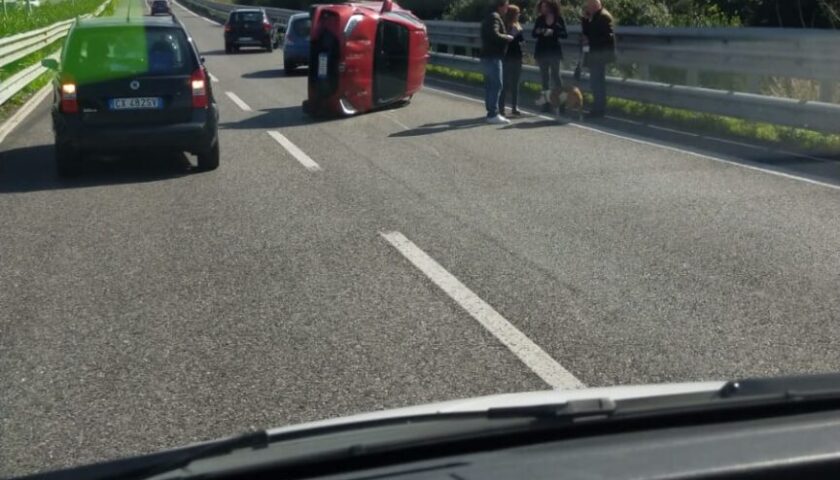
(571, 97)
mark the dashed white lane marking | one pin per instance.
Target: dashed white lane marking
(605, 131)
(213, 78)
(238, 101)
(296, 152)
(517, 342)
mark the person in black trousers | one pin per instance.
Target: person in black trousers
(549, 29)
(599, 48)
(512, 67)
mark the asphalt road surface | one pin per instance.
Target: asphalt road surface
(144, 305)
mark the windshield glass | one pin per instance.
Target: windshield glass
(246, 17)
(300, 28)
(221, 217)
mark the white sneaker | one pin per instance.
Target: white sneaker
(498, 120)
(542, 100)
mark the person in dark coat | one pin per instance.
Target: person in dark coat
(549, 29)
(598, 39)
(494, 44)
(512, 63)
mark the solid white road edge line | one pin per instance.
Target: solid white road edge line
(666, 147)
(238, 101)
(24, 111)
(294, 151)
(517, 342)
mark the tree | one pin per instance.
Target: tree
(782, 13)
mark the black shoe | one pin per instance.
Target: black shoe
(515, 113)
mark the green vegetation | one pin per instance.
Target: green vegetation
(662, 13)
(694, 121)
(18, 20)
(7, 71)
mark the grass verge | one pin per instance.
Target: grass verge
(694, 121)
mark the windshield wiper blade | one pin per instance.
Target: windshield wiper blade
(158, 463)
(183, 458)
(596, 407)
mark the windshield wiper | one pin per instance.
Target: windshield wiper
(156, 464)
(573, 409)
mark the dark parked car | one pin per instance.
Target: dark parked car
(160, 7)
(124, 85)
(249, 27)
(296, 43)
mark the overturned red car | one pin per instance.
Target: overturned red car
(364, 56)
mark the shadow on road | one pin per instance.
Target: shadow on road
(298, 72)
(273, 118)
(441, 127)
(519, 125)
(277, 73)
(220, 53)
(32, 169)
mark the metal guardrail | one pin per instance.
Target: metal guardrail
(819, 116)
(748, 52)
(15, 47)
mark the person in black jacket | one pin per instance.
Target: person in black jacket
(549, 29)
(494, 44)
(599, 48)
(512, 63)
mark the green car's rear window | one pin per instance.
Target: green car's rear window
(108, 53)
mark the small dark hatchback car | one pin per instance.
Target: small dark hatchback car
(160, 7)
(124, 86)
(250, 27)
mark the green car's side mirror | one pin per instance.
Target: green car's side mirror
(50, 63)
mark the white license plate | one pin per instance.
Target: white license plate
(136, 103)
(246, 39)
(323, 62)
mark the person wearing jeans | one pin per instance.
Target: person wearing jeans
(494, 43)
(599, 47)
(512, 63)
(549, 29)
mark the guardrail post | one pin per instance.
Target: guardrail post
(827, 90)
(753, 84)
(692, 77)
(644, 72)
